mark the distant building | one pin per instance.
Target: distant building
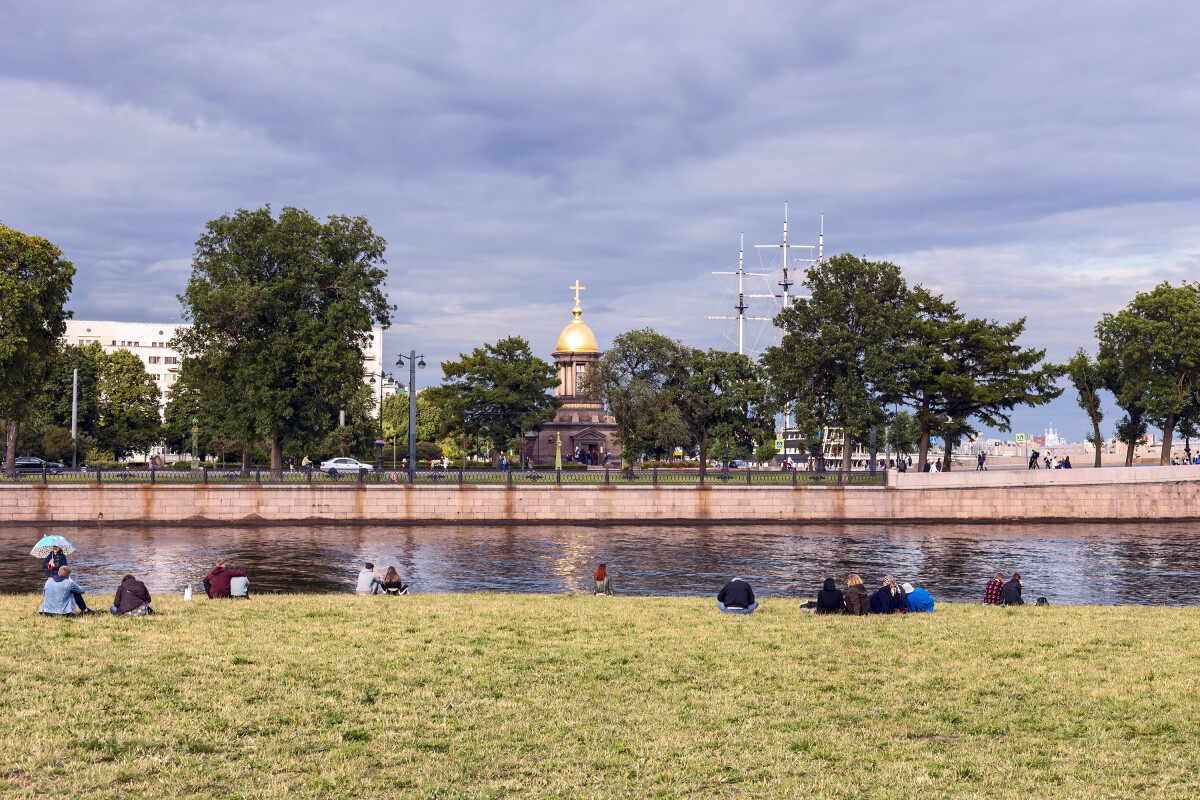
(150, 341)
(582, 422)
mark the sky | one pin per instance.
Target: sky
(1024, 159)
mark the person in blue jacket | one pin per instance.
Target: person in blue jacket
(62, 595)
(918, 598)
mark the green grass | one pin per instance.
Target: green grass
(558, 696)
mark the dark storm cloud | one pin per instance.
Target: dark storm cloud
(1029, 160)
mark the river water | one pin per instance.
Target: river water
(1144, 563)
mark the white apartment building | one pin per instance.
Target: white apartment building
(150, 341)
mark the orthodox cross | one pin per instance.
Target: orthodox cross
(577, 288)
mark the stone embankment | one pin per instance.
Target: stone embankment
(1143, 493)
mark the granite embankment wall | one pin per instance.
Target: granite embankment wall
(1113, 494)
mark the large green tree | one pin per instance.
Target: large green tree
(129, 406)
(838, 360)
(35, 281)
(718, 394)
(1088, 379)
(281, 312)
(629, 377)
(498, 392)
(1153, 345)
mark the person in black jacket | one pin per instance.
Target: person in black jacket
(132, 599)
(830, 600)
(736, 597)
(1011, 596)
(890, 598)
(56, 559)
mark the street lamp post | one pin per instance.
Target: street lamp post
(413, 363)
(195, 446)
(379, 444)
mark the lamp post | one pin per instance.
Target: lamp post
(380, 443)
(413, 363)
(195, 447)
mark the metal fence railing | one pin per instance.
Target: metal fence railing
(224, 476)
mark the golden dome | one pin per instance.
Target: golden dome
(577, 337)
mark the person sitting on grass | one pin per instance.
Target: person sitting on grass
(602, 581)
(53, 562)
(858, 601)
(1011, 596)
(995, 587)
(889, 599)
(392, 583)
(239, 587)
(830, 599)
(369, 581)
(132, 599)
(736, 597)
(918, 599)
(62, 595)
(216, 583)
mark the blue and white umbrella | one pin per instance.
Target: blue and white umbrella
(47, 543)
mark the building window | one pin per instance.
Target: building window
(154, 360)
(170, 360)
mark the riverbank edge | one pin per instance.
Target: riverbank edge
(1055, 501)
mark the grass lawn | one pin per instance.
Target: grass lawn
(559, 696)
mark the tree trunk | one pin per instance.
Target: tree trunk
(10, 447)
(1129, 448)
(1096, 434)
(704, 455)
(947, 460)
(245, 460)
(847, 451)
(923, 456)
(276, 458)
(1164, 456)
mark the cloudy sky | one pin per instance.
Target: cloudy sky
(1027, 159)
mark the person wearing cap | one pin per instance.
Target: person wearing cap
(918, 598)
(736, 597)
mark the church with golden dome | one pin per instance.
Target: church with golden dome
(587, 431)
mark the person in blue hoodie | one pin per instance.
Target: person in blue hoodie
(918, 598)
(62, 596)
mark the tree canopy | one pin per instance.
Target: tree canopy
(496, 393)
(35, 282)
(281, 312)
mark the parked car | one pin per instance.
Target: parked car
(32, 464)
(738, 464)
(344, 466)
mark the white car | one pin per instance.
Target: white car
(344, 466)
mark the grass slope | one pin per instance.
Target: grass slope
(559, 696)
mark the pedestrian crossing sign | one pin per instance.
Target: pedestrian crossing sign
(1020, 438)
(779, 444)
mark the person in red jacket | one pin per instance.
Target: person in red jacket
(991, 595)
(216, 583)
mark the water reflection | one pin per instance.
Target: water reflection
(1152, 564)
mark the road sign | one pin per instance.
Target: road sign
(779, 444)
(1020, 438)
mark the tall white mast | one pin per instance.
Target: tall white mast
(741, 305)
(821, 241)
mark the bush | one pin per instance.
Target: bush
(428, 451)
(670, 465)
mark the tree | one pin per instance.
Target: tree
(838, 358)
(281, 311)
(629, 378)
(498, 392)
(35, 281)
(89, 360)
(923, 364)
(1088, 379)
(986, 375)
(903, 433)
(718, 393)
(129, 406)
(1153, 346)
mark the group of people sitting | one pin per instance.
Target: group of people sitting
(62, 596)
(371, 582)
(890, 598)
(1001, 592)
